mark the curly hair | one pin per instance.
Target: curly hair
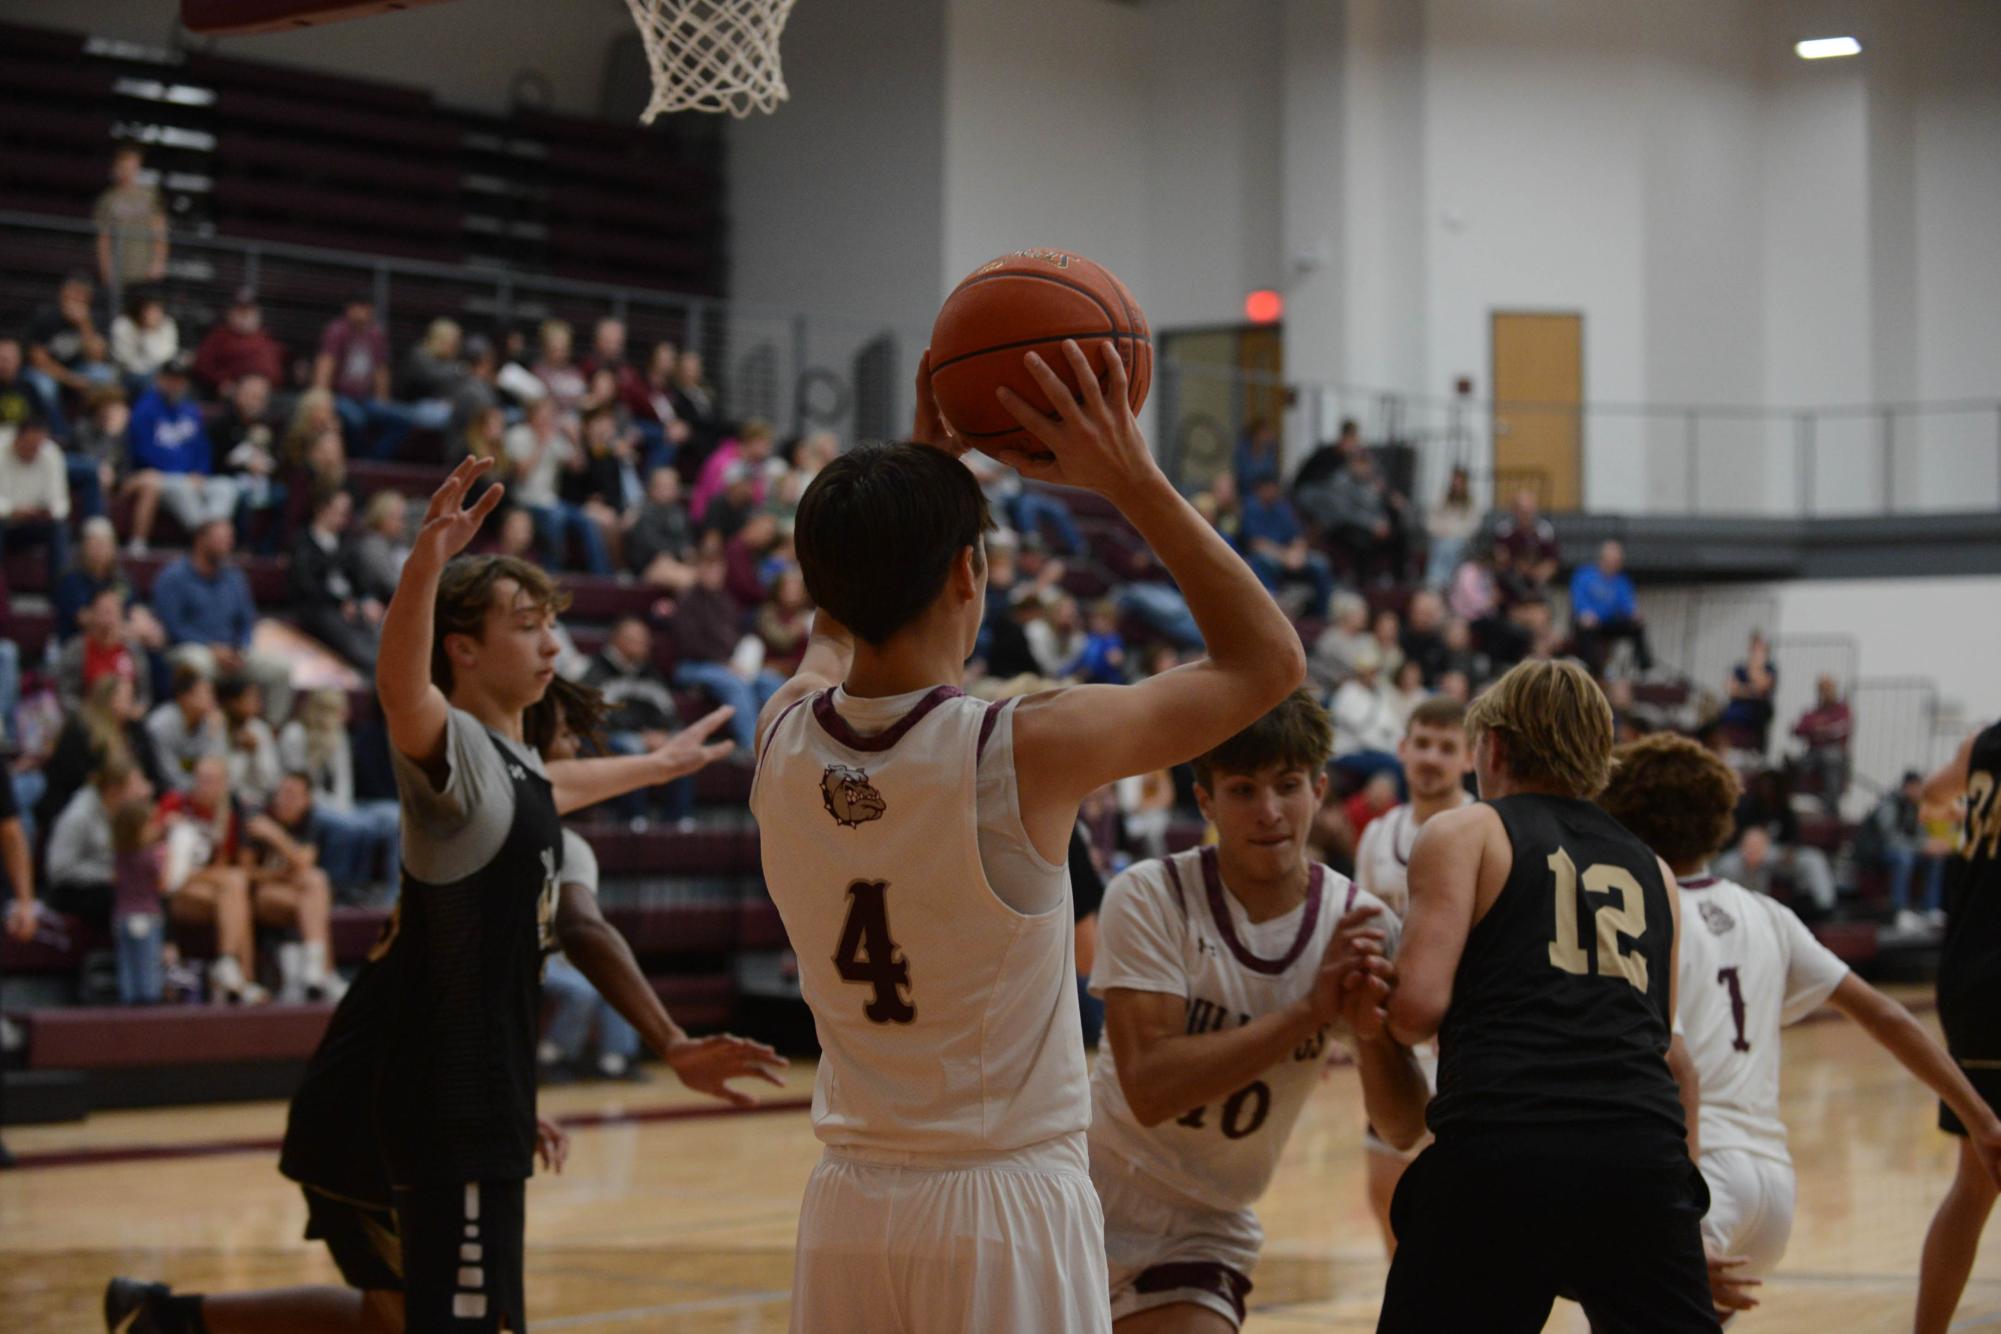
(1676, 797)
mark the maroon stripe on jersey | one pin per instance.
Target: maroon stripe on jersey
(835, 726)
(1200, 1276)
(1700, 882)
(1180, 894)
(1212, 880)
(987, 728)
(771, 734)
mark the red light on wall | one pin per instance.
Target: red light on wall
(1264, 306)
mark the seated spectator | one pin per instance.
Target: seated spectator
(252, 745)
(289, 891)
(246, 436)
(138, 922)
(556, 369)
(1893, 838)
(353, 364)
(1462, 656)
(640, 713)
(477, 391)
(1387, 632)
(206, 882)
(1827, 729)
(34, 494)
(20, 398)
(697, 407)
(325, 585)
(1366, 731)
(1362, 515)
(1768, 840)
(238, 347)
(538, 450)
(659, 538)
(203, 602)
(1530, 542)
(1332, 660)
(1103, 658)
(785, 622)
(131, 224)
(752, 559)
(1222, 505)
(1257, 459)
(323, 468)
(359, 841)
(1163, 609)
(707, 628)
(169, 445)
(1423, 638)
(664, 432)
(1449, 528)
(62, 341)
(1604, 610)
(143, 338)
(602, 477)
(1327, 460)
(189, 727)
(315, 416)
(105, 647)
(1455, 685)
(80, 858)
(1276, 547)
(432, 373)
(110, 726)
(382, 545)
(752, 448)
(515, 535)
(1056, 637)
(1377, 797)
(626, 387)
(1406, 691)
(1753, 683)
(577, 1010)
(1029, 511)
(788, 475)
(1476, 600)
(96, 568)
(730, 511)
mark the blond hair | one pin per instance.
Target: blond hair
(1555, 723)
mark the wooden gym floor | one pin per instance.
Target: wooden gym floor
(685, 1223)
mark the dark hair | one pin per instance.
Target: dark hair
(1438, 711)
(465, 591)
(583, 707)
(325, 492)
(1673, 795)
(1297, 734)
(128, 149)
(879, 529)
(186, 678)
(128, 824)
(232, 688)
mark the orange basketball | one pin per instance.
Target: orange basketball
(1030, 301)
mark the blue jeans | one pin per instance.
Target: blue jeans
(1902, 863)
(10, 685)
(375, 429)
(554, 525)
(671, 801)
(1316, 571)
(577, 1003)
(29, 785)
(1446, 553)
(86, 488)
(1029, 510)
(728, 688)
(1162, 607)
(51, 394)
(138, 939)
(353, 844)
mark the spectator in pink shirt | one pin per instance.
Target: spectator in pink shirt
(752, 448)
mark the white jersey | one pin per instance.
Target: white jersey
(947, 1020)
(1748, 968)
(1382, 859)
(1171, 927)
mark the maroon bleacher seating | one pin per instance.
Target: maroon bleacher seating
(697, 1001)
(128, 1037)
(593, 598)
(1852, 942)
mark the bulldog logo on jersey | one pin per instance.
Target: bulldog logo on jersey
(849, 796)
(1716, 918)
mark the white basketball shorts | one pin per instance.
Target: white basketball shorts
(1164, 1251)
(1750, 1208)
(949, 1244)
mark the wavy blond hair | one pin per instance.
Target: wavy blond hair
(1555, 723)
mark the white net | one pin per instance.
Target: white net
(712, 55)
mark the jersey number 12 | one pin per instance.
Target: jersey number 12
(1629, 918)
(868, 955)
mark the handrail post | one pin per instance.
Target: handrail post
(1692, 430)
(1803, 459)
(799, 352)
(381, 286)
(252, 266)
(1889, 461)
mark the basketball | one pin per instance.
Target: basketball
(1029, 301)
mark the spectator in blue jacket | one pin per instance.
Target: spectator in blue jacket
(1603, 609)
(169, 447)
(203, 600)
(1275, 545)
(1103, 660)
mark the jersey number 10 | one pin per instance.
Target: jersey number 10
(1601, 880)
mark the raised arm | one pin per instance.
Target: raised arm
(1070, 742)
(581, 783)
(602, 955)
(412, 706)
(1905, 1038)
(830, 650)
(1445, 868)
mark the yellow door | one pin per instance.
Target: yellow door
(1538, 389)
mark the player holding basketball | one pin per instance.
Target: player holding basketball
(1748, 967)
(1540, 950)
(1435, 760)
(1224, 971)
(1969, 1008)
(414, 1131)
(914, 842)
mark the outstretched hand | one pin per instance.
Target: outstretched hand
(1093, 441)
(930, 427)
(449, 527)
(690, 748)
(707, 1065)
(552, 1144)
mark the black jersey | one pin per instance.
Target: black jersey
(426, 1074)
(1969, 974)
(1559, 1024)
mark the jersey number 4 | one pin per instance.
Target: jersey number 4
(867, 955)
(1602, 881)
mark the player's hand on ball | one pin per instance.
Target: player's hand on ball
(707, 1065)
(552, 1144)
(931, 428)
(1728, 1290)
(1093, 441)
(690, 748)
(448, 526)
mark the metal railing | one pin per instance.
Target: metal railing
(1634, 458)
(800, 372)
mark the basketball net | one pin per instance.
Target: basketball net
(712, 55)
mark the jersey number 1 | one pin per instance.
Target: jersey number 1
(1628, 919)
(869, 956)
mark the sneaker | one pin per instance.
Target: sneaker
(328, 989)
(1936, 918)
(613, 1066)
(1908, 923)
(136, 547)
(128, 1306)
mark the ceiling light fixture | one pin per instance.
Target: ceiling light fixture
(1826, 48)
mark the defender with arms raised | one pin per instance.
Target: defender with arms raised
(914, 842)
